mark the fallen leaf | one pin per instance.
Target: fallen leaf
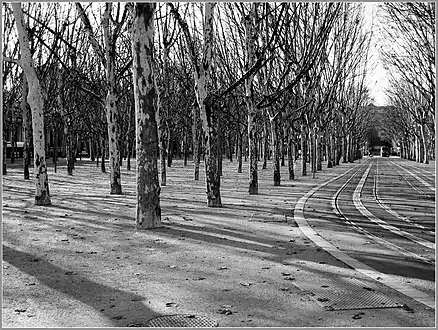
(323, 299)
(199, 279)
(358, 316)
(19, 310)
(225, 311)
(290, 278)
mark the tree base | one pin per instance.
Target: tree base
(214, 203)
(43, 200)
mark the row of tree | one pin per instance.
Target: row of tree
(256, 80)
(409, 58)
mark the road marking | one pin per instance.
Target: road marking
(386, 279)
(416, 177)
(390, 210)
(364, 211)
(369, 235)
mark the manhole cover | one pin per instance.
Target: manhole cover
(346, 293)
(182, 320)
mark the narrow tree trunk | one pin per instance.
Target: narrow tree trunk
(102, 164)
(328, 146)
(27, 126)
(239, 152)
(148, 189)
(92, 150)
(211, 160)
(252, 144)
(55, 149)
(276, 150)
(195, 133)
(312, 151)
(13, 136)
(303, 149)
(170, 147)
(319, 152)
(265, 145)
(69, 147)
(186, 148)
(291, 158)
(36, 102)
(5, 171)
(230, 147)
(425, 144)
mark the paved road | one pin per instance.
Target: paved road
(379, 218)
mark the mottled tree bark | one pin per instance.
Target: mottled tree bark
(148, 213)
(27, 128)
(195, 133)
(249, 99)
(36, 102)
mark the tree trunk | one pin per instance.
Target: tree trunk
(265, 145)
(36, 102)
(312, 151)
(27, 126)
(328, 148)
(102, 164)
(195, 136)
(170, 147)
(276, 150)
(239, 151)
(425, 155)
(211, 138)
(291, 158)
(69, 147)
(13, 136)
(5, 171)
(303, 149)
(230, 147)
(186, 148)
(148, 188)
(55, 149)
(249, 100)
(319, 152)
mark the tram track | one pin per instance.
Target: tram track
(416, 177)
(410, 256)
(393, 281)
(393, 212)
(383, 224)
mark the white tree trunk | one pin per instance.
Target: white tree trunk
(148, 189)
(36, 103)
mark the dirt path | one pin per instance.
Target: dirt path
(81, 263)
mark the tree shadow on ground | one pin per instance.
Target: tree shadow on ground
(93, 294)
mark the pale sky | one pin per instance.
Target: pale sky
(377, 80)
